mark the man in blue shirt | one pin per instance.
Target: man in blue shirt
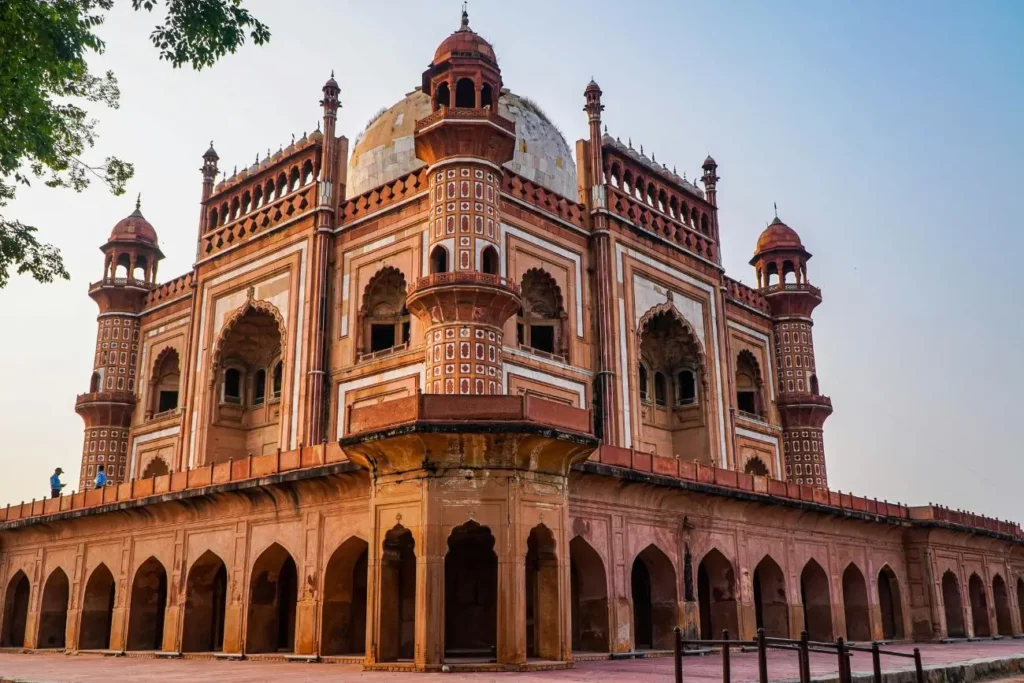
(101, 478)
(55, 483)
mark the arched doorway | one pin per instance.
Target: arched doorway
(589, 587)
(716, 596)
(954, 606)
(471, 593)
(397, 596)
(543, 618)
(771, 610)
(97, 610)
(1020, 601)
(206, 592)
(814, 596)
(53, 612)
(343, 621)
(979, 607)
(147, 607)
(655, 606)
(273, 593)
(15, 611)
(890, 604)
(855, 605)
(1001, 598)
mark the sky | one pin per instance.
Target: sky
(888, 133)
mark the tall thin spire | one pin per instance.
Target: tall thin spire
(465, 17)
(776, 205)
(138, 202)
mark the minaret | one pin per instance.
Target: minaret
(464, 301)
(129, 273)
(780, 255)
(710, 180)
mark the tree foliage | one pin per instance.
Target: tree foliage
(46, 88)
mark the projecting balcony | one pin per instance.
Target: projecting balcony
(462, 132)
(463, 278)
(488, 114)
(792, 287)
(464, 297)
(805, 399)
(121, 282)
(125, 397)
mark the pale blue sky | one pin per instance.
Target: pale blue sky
(888, 133)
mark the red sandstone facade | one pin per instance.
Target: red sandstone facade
(456, 395)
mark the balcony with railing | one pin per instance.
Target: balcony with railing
(104, 397)
(466, 114)
(792, 287)
(121, 282)
(804, 399)
(463, 278)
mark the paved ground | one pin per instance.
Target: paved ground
(98, 669)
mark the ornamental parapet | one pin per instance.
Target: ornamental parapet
(465, 278)
(804, 399)
(466, 114)
(123, 397)
(120, 282)
(792, 287)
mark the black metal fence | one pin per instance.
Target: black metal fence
(804, 647)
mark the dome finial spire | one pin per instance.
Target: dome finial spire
(776, 205)
(465, 17)
(138, 202)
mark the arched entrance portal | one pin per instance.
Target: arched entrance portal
(814, 596)
(771, 611)
(15, 611)
(716, 595)
(146, 610)
(1002, 601)
(653, 583)
(343, 630)
(589, 587)
(206, 591)
(53, 612)
(542, 603)
(471, 593)
(397, 596)
(979, 607)
(890, 604)
(954, 606)
(97, 610)
(855, 605)
(272, 596)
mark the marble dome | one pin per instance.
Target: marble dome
(386, 149)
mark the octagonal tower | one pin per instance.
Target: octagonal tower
(780, 255)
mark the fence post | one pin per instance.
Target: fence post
(917, 665)
(678, 654)
(876, 662)
(805, 658)
(841, 654)
(762, 657)
(726, 674)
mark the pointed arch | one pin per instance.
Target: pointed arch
(716, 595)
(891, 604)
(384, 318)
(749, 384)
(979, 606)
(148, 606)
(53, 611)
(954, 606)
(97, 610)
(206, 593)
(273, 594)
(691, 338)
(655, 601)
(15, 611)
(397, 595)
(855, 604)
(471, 593)
(238, 314)
(588, 584)
(817, 604)
(1001, 601)
(155, 468)
(543, 323)
(543, 617)
(771, 609)
(756, 466)
(164, 380)
(343, 617)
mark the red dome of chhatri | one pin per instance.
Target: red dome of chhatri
(134, 227)
(464, 40)
(778, 235)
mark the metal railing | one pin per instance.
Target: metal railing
(804, 647)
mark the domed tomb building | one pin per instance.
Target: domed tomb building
(465, 396)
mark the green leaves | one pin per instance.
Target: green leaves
(45, 84)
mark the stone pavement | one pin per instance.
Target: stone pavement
(39, 668)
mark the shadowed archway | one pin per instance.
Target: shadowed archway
(890, 604)
(470, 593)
(397, 596)
(655, 606)
(147, 607)
(771, 610)
(206, 592)
(855, 605)
(15, 611)
(589, 587)
(53, 612)
(273, 593)
(97, 610)
(814, 596)
(954, 606)
(979, 607)
(1001, 598)
(343, 630)
(543, 620)
(716, 595)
